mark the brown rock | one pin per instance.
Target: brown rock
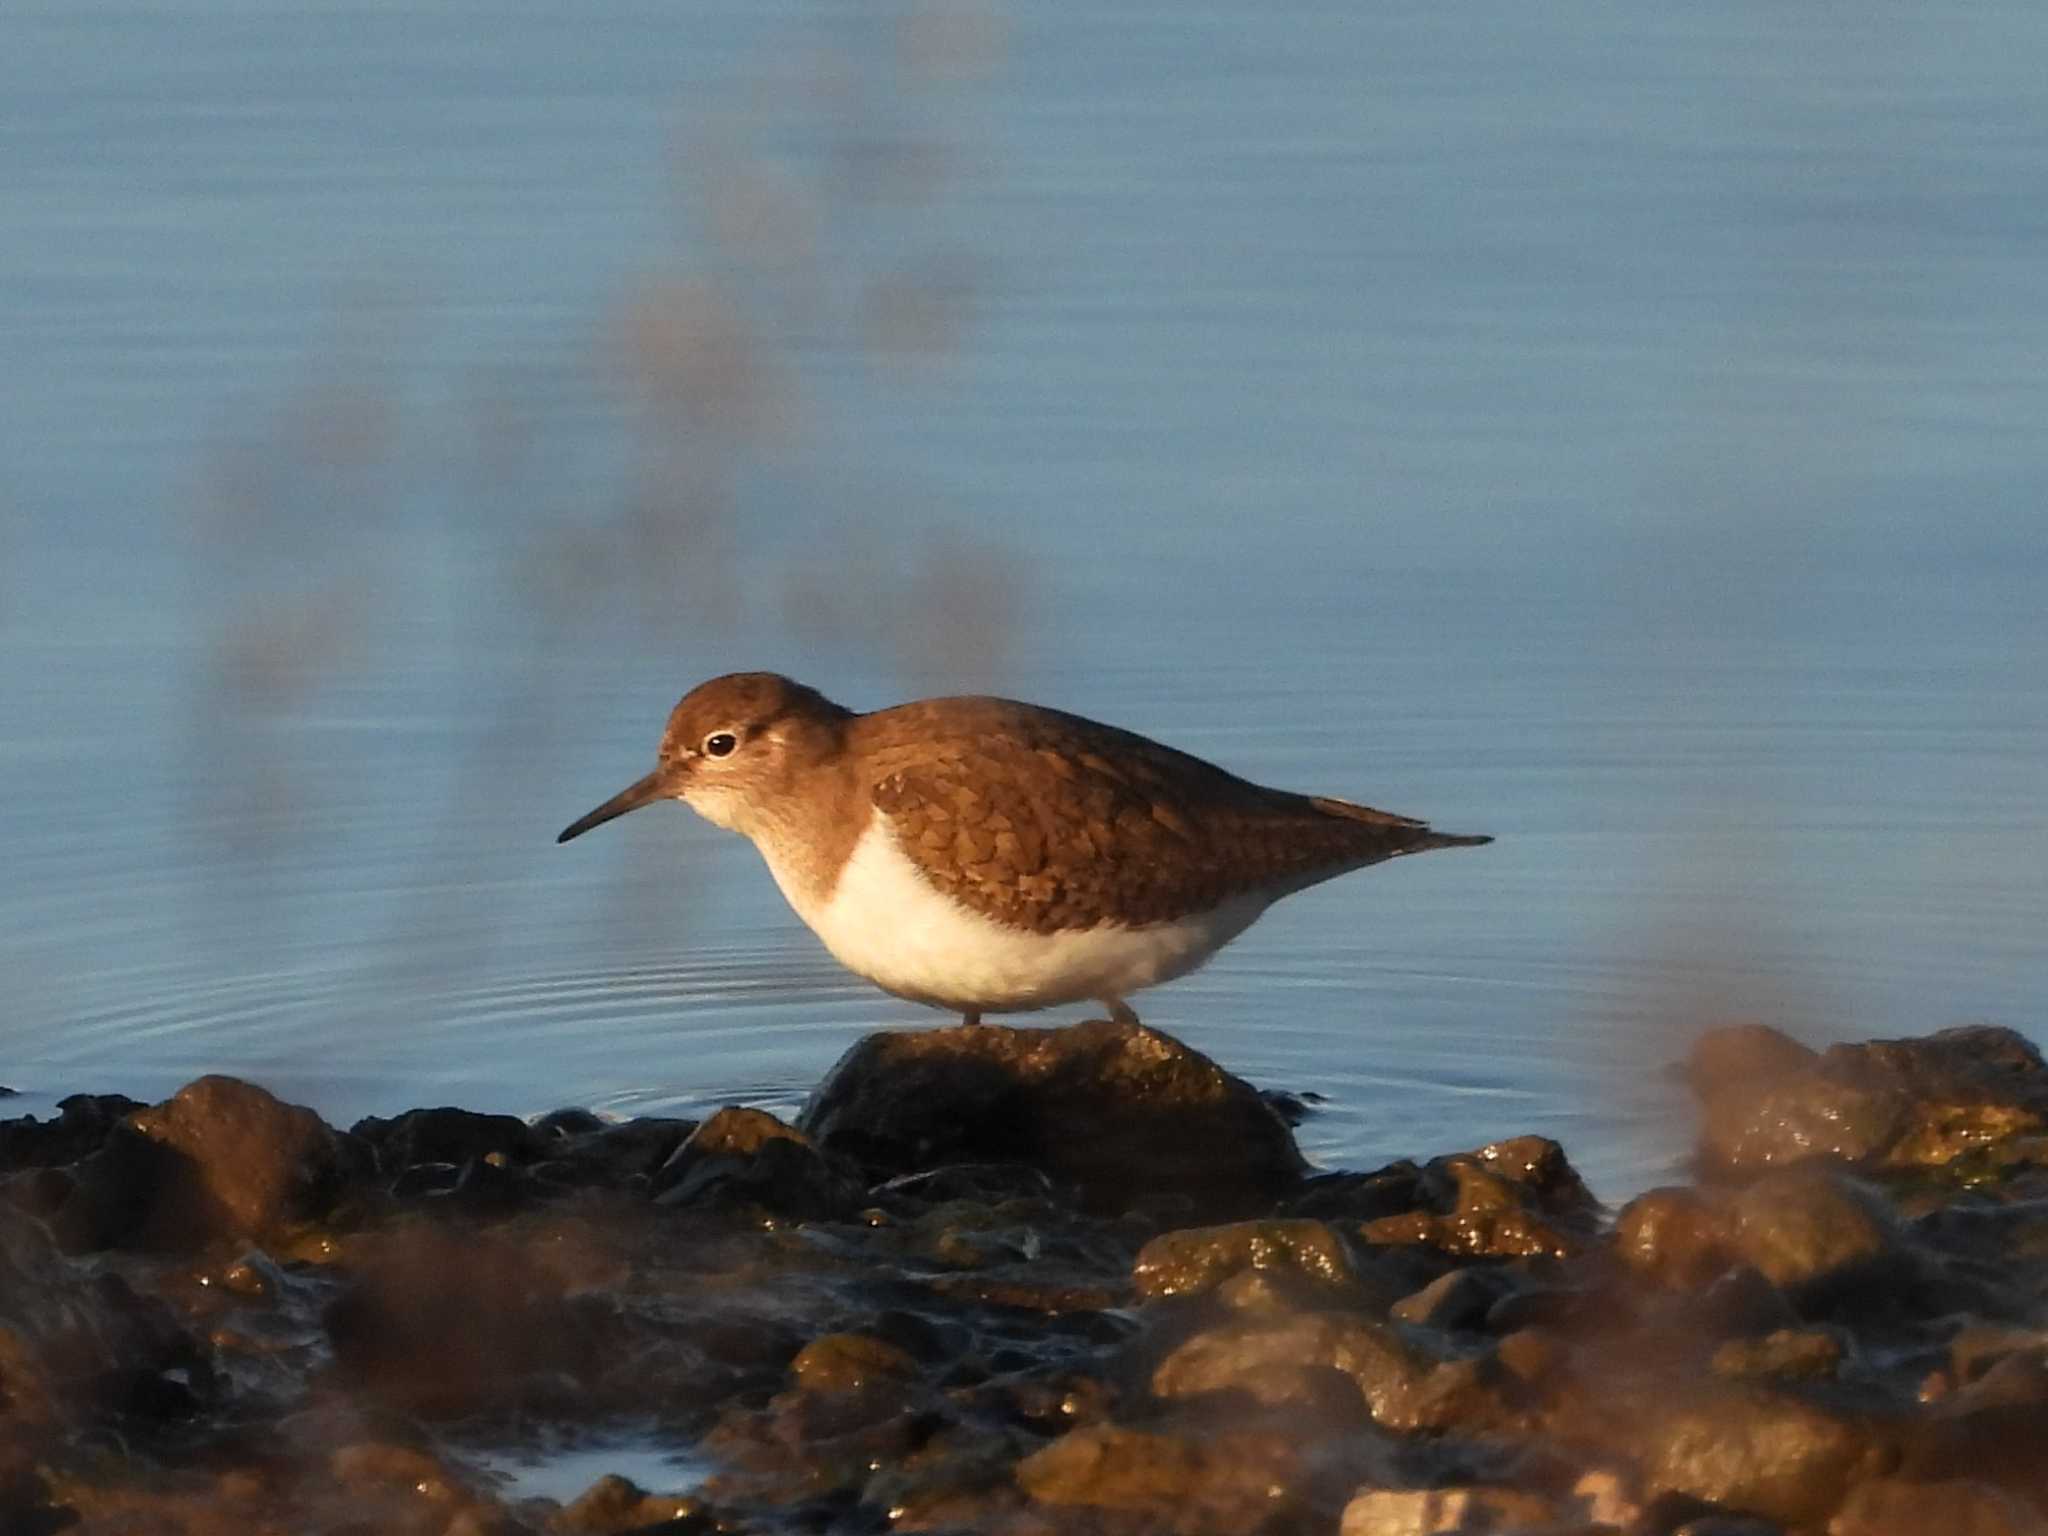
(1888, 1507)
(1213, 1485)
(1196, 1259)
(1510, 1199)
(1444, 1512)
(1758, 1450)
(219, 1159)
(1674, 1238)
(1806, 1227)
(1886, 1105)
(1128, 1115)
(847, 1362)
(1261, 1358)
(1789, 1354)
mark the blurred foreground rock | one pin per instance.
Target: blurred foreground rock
(1036, 1283)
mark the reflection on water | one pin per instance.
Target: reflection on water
(1614, 433)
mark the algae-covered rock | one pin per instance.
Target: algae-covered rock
(1196, 1259)
(1963, 1095)
(1677, 1239)
(1126, 1114)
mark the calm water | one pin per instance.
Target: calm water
(1618, 432)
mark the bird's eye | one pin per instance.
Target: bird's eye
(720, 744)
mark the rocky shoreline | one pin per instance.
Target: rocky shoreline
(1038, 1283)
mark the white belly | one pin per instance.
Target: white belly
(885, 921)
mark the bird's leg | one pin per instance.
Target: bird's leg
(1120, 1011)
(970, 1017)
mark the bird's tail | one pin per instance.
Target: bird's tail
(1402, 834)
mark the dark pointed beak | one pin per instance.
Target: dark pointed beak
(648, 790)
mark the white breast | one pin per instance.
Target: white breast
(885, 921)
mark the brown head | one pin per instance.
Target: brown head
(735, 750)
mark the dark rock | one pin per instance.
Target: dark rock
(447, 1135)
(1673, 1238)
(1970, 1095)
(1445, 1512)
(627, 1155)
(83, 1123)
(564, 1124)
(1888, 1507)
(1126, 1114)
(1454, 1301)
(219, 1159)
(1513, 1198)
(1208, 1485)
(1744, 1053)
(1806, 1228)
(983, 1183)
(1388, 1191)
(1196, 1259)
(746, 1159)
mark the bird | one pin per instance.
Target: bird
(982, 855)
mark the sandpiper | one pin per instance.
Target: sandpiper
(986, 856)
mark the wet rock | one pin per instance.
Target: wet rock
(1445, 1512)
(444, 1323)
(1974, 1094)
(1387, 1191)
(1457, 1300)
(219, 1159)
(1888, 1507)
(446, 1135)
(1207, 1485)
(84, 1120)
(1806, 1228)
(1262, 1359)
(624, 1156)
(1673, 1238)
(1126, 1114)
(1789, 1354)
(748, 1159)
(1512, 1198)
(617, 1506)
(1196, 1259)
(847, 1362)
(1759, 1451)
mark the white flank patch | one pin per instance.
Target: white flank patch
(886, 922)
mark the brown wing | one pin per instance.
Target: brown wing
(1045, 821)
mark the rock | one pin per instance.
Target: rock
(627, 1155)
(1259, 1357)
(1888, 1507)
(1807, 1229)
(1126, 1114)
(847, 1362)
(1444, 1512)
(746, 1159)
(617, 1506)
(1211, 1485)
(1673, 1238)
(1455, 1301)
(1196, 1259)
(446, 1135)
(445, 1323)
(220, 1159)
(1513, 1198)
(1387, 1191)
(83, 1123)
(1744, 1053)
(1757, 1450)
(1974, 1093)
(1789, 1354)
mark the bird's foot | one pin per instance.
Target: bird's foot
(1120, 1012)
(970, 1018)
